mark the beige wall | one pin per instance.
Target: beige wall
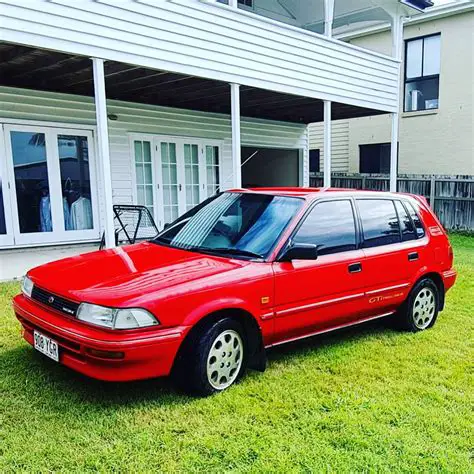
(431, 142)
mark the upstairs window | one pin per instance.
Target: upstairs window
(422, 67)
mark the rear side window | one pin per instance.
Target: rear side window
(330, 226)
(408, 229)
(380, 224)
(420, 231)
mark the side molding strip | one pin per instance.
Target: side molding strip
(335, 328)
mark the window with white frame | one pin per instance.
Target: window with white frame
(212, 169)
(422, 68)
(51, 186)
(174, 174)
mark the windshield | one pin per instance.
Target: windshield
(237, 224)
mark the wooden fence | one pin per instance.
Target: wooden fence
(451, 197)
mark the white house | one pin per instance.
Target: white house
(158, 102)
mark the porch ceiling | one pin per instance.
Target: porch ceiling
(40, 69)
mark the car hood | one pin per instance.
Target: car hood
(119, 276)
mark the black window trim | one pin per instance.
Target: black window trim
(421, 78)
(357, 224)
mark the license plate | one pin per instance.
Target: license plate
(46, 346)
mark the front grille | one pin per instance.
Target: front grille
(55, 302)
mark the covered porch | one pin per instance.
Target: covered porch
(128, 134)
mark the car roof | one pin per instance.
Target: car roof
(314, 193)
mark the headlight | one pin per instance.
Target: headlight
(129, 318)
(27, 287)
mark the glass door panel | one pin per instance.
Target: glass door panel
(212, 169)
(6, 236)
(32, 189)
(74, 170)
(170, 188)
(191, 173)
(144, 175)
(3, 221)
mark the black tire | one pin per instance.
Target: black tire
(191, 373)
(420, 310)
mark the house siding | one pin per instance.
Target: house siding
(339, 144)
(203, 39)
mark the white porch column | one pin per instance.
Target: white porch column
(397, 43)
(236, 147)
(328, 17)
(103, 148)
(327, 143)
(328, 21)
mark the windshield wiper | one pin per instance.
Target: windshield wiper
(233, 251)
(225, 250)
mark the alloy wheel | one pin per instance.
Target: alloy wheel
(424, 307)
(225, 359)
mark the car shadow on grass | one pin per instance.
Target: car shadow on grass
(26, 372)
(333, 339)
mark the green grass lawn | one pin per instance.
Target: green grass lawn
(366, 399)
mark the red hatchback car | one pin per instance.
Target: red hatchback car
(243, 271)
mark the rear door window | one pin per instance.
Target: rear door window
(329, 225)
(420, 231)
(407, 226)
(380, 224)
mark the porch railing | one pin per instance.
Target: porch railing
(451, 197)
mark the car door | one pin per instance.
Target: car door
(312, 295)
(387, 241)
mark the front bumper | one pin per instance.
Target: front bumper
(146, 353)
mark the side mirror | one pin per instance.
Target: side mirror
(300, 252)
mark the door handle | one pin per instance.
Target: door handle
(412, 256)
(355, 267)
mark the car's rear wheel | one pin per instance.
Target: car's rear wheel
(215, 358)
(421, 308)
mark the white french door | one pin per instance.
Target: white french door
(52, 184)
(175, 175)
(6, 234)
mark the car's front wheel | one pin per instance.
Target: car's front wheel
(421, 308)
(216, 358)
